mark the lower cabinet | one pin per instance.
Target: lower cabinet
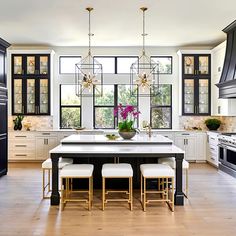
(44, 145)
(33, 145)
(212, 148)
(187, 142)
(194, 145)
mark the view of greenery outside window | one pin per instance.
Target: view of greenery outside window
(67, 64)
(116, 64)
(70, 107)
(104, 106)
(165, 63)
(161, 108)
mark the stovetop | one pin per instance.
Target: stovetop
(228, 138)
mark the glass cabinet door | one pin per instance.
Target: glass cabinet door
(30, 65)
(18, 65)
(189, 65)
(30, 99)
(18, 99)
(203, 107)
(43, 96)
(189, 96)
(203, 65)
(43, 65)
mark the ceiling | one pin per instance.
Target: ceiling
(115, 22)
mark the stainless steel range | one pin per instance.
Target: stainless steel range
(227, 153)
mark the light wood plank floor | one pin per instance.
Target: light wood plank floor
(210, 210)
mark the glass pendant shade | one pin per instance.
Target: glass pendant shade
(144, 73)
(88, 72)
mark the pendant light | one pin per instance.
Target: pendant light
(88, 72)
(144, 73)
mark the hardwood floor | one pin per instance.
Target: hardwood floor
(210, 210)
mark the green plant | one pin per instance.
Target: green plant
(212, 123)
(18, 120)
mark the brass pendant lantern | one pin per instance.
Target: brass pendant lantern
(88, 72)
(144, 73)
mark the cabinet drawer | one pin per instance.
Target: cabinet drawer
(21, 156)
(22, 144)
(185, 134)
(21, 135)
(46, 134)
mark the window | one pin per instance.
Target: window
(104, 106)
(70, 107)
(116, 64)
(67, 64)
(161, 108)
(165, 63)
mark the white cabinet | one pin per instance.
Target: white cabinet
(212, 148)
(201, 139)
(44, 143)
(187, 142)
(220, 107)
(21, 146)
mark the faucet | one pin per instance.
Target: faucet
(149, 130)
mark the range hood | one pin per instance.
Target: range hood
(227, 84)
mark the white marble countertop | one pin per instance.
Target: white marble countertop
(101, 139)
(119, 149)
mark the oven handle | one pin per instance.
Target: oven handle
(227, 147)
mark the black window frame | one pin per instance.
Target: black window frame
(115, 57)
(66, 56)
(116, 103)
(162, 56)
(68, 106)
(163, 106)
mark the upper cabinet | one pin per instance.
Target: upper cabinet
(31, 75)
(3, 48)
(28, 65)
(195, 77)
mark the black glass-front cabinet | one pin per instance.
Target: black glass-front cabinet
(31, 84)
(196, 82)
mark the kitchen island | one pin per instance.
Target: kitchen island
(97, 149)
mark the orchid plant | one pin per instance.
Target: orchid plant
(128, 115)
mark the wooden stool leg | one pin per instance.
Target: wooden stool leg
(186, 183)
(103, 193)
(131, 193)
(43, 183)
(141, 189)
(173, 194)
(62, 195)
(89, 194)
(49, 180)
(144, 194)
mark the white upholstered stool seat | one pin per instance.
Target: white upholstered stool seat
(165, 177)
(76, 171)
(62, 162)
(117, 170)
(156, 170)
(47, 166)
(170, 161)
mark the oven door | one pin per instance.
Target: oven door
(222, 153)
(231, 157)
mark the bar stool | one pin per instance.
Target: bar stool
(159, 172)
(170, 161)
(122, 171)
(76, 171)
(47, 167)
